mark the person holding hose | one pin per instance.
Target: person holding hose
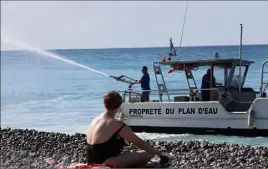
(145, 85)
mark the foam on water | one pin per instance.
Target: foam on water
(257, 141)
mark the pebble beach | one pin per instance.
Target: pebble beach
(24, 148)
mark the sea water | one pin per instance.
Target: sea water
(46, 94)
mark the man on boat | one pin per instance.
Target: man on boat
(145, 85)
(206, 85)
(217, 55)
(172, 50)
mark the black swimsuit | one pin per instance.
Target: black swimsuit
(98, 153)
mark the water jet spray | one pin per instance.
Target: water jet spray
(122, 78)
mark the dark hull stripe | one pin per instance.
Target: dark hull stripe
(200, 131)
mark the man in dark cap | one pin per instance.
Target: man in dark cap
(206, 84)
(145, 85)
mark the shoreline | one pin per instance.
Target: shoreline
(29, 148)
(216, 139)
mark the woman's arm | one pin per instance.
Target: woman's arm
(130, 136)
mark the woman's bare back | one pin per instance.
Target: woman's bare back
(101, 129)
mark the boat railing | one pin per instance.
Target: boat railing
(178, 95)
(264, 84)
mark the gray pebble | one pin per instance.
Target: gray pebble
(37, 149)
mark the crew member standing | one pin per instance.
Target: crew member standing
(145, 85)
(206, 85)
(172, 50)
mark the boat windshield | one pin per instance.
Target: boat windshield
(221, 75)
(235, 80)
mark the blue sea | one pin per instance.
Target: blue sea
(42, 93)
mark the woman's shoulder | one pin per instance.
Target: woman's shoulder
(110, 123)
(116, 123)
(95, 120)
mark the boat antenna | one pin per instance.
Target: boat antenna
(240, 55)
(183, 28)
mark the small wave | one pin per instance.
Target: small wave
(67, 129)
(159, 136)
(257, 141)
(44, 102)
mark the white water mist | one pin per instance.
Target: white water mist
(49, 54)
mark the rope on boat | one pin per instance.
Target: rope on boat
(241, 101)
(228, 98)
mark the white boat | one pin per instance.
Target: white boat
(232, 109)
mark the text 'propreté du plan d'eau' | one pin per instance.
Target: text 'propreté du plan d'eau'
(170, 111)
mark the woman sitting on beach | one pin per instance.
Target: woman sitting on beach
(106, 139)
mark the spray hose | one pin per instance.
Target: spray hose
(125, 79)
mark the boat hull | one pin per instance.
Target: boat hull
(196, 118)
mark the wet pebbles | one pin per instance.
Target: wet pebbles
(35, 149)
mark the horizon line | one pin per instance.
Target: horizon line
(190, 46)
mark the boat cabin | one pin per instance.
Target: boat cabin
(226, 86)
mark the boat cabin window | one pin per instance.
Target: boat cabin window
(235, 80)
(220, 74)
